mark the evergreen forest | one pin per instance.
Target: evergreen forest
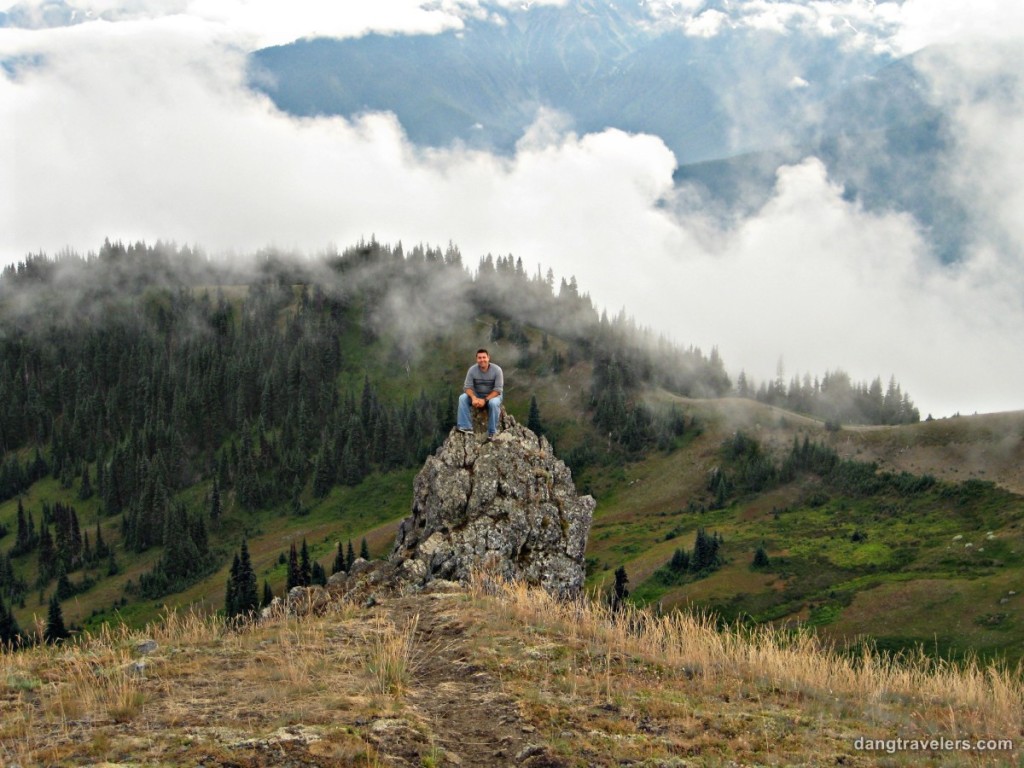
(157, 402)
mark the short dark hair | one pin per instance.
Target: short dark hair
(484, 351)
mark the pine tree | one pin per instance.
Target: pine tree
(10, 632)
(102, 550)
(294, 578)
(9, 582)
(241, 597)
(350, 556)
(215, 508)
(100, 478)
(268, 595)
(533, 420)
(223, 473)
(705, 552)
(680, 561)
(761, 558)
(319, 575)
(323, 476)
(47, 556)
(364, 550)
(339, 561)
(25, 539)
(246, 597)
(305, 567)
(55, 630)
(297, 509)
(39, 468)
(367, 404)
(85, 491)
(88, 556)
(619, 591)
(200, 536)
(231, 590)
(64, 587)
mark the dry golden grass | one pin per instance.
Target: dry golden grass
(391, 659)
(480, 676)
(798, 663)
(204, 685)
(634, 656)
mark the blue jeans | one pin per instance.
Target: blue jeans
(465, 418)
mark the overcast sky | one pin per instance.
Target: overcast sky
(136, 124)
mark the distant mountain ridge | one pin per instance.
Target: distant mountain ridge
(601, 64)
(762, 97)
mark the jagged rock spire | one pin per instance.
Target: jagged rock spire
(507, 505)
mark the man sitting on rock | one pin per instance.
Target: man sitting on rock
(483, 387)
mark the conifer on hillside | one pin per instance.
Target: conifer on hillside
(339, 561)
(761, 558)
(10, 632)
(533, 422)
(305, 566)
(294, 578)
(619, 591)
(55, 630)
(241, 597)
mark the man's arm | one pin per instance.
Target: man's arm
(499, 383)
(467, 387)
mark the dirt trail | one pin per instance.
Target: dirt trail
(467, 717)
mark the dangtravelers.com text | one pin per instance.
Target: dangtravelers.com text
(891, 746)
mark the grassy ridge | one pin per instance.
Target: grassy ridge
(927, 563)
(938, 567)
(452, 677)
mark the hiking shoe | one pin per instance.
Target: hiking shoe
(465, 431)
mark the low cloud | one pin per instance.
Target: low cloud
(262, 23)
(144, 129)
(921, 23)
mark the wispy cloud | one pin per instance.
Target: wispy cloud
(143, 128)
(261, 23)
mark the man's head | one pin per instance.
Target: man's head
(483, 359)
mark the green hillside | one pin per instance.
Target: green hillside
(160, 408)
(853, 550)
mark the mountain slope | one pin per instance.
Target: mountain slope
(161, 411)
(844, 545)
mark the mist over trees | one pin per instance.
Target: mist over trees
(835, 398)
(166, 389)
(136, 375)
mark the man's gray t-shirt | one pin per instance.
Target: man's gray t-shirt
(484, 383)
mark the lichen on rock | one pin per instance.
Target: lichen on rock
(506, 504)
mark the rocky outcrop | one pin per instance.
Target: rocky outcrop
(507, 505)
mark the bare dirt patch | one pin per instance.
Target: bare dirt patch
(464, 709)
